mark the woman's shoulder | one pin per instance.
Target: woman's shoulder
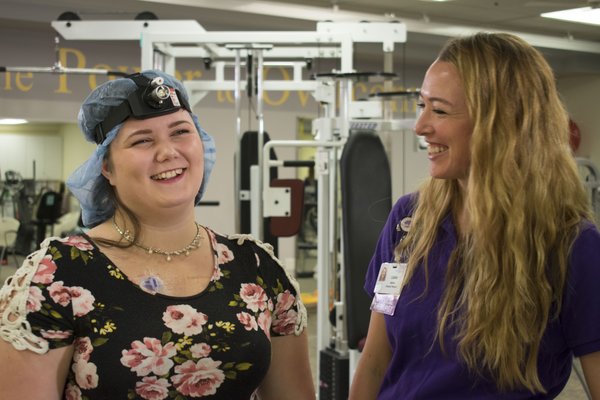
(239, 239)
(69, 247)
(589, 228)
(406, 204)
(48, 268)
(60, 255)
(247, 249)
(587, 240)
(403, 210)
(80, 241)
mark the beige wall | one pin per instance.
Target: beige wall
(75, 148)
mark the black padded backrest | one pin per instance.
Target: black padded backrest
(248, 158)
(366, 202)
(49, 209)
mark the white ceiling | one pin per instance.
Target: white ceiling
(571, 48)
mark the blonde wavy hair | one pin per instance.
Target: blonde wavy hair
(525, 201)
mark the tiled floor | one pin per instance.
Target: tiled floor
(573, 390)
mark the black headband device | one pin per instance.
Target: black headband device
(152, 98)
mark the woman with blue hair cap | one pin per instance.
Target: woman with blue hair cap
(149, 304)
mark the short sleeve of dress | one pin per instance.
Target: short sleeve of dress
(288, 315)
(30, 318)
(581, 303)
(388, 239)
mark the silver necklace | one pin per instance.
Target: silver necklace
(195, 243)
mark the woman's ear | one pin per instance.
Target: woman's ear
(106, 170)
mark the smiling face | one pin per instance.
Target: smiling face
(444, 122)
(156, 163)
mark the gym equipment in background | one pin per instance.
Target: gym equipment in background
(9, 228)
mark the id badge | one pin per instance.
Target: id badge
(390, 278)
(388, 287)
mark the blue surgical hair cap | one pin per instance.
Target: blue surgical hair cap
(86, 182)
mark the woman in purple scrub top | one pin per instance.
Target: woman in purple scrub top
(499, 251)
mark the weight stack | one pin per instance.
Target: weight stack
(334, 381)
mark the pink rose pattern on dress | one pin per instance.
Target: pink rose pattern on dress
(78, 242)
(198, 379)
(152, 388)
(264, 321)
(59, 293)
(284, 322)
(180, 364)
(184, 319)
(35, 299)
(149, 356)
(45, 294)
(224, 254)
(45, 272)
(285, 300)
(254, 296)
(200, 350)
(82, 349)
(86, 374)
(217, 274)
(285, 317)
(54, 334)
(82, 300)
(248, 321)
(72, 392)
(191, 371)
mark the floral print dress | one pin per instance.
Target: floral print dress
(132, 344)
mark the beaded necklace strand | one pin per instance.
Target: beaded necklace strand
(195, 243)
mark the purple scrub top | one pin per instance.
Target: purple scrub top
(420, 370)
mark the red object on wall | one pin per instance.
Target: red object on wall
(575, 135)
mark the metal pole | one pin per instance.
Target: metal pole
(238, 144)
(261, 136)
(388, 66)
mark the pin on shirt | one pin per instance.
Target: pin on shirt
(404, 224)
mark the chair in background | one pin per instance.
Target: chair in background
(47, 215)
(9, 228)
